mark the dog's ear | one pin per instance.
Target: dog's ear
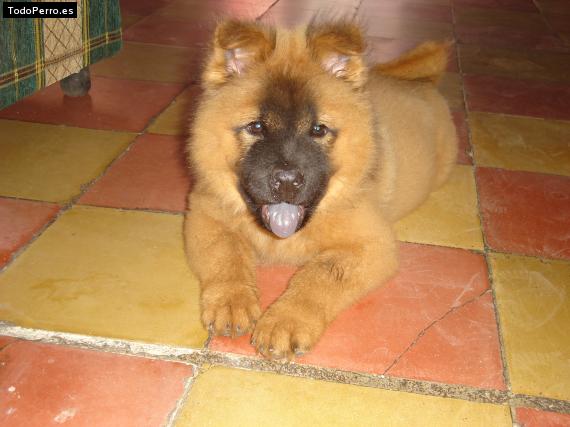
(339, 47)
(237, 45)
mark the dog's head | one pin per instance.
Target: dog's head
(284, 121)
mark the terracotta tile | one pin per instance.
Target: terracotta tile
(449, 217)
(372, 334)
(533, 418)
(407, 10)
(558, 7)
(111, 104)
(383, 49)
(533, 299)
(5, 341)
(501, 37)
(142, 7)
(558, 22)
(410, 29)
(128, 20)
(521, 97)
(167, 31)
(451, 87)
(515, 5)
(206, 13)
(106, 272)
(464, 152)
(152, 175)
(45, 385)
(261, 398)
(158, 63)
(175, 120)
(515, 63)
(495, 17)
(521, 143)
(288, 16)
(53, 163)
(20, 220)
(430, 357)
(525, 213)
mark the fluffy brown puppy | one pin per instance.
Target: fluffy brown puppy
(296, 137)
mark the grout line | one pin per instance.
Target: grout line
(267, 10)
(500, 335)
(85, 187)
(181, 402)
(200, 357)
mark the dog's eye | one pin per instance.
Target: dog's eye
(255, 128)
(318, 131)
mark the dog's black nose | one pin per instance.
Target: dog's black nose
(286, 181)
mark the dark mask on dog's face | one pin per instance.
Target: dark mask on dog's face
(284, 172)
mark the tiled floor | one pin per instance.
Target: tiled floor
(100, 314)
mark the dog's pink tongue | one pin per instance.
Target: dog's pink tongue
(284, 218)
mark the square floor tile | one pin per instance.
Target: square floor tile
(158, 63)
(406, 10)
(521, 143)
(208, 12)
(409, 29)
(153, 174)
(441, 290)
(515, 5)
(53, 163)
(168, 31)
(449, 217)
(175, 120)
(45, 385)
(384, 49)
(142, 7)
(106, 272)
(494, 36)
(533, 299)
(112, 104)
(520, 97)
(529, 21)
(228, 397)
(20, 220)
(515, 63)
(525, 213)
(534, 418)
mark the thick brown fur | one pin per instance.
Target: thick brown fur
(395, 143)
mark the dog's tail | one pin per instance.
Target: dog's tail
(426, 62)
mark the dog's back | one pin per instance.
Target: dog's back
(417, 138)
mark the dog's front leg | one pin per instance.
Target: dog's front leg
(225, 265)
(337, 277)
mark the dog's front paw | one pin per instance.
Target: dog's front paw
(286, 330)
(230, 310)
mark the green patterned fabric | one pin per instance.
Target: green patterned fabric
(36, 52)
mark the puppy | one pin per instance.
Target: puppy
(302, 154)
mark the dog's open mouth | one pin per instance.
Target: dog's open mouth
(283, 219)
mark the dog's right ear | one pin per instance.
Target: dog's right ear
(237, 45)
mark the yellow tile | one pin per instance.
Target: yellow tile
(451, 88)
(521, 143)
(449, 217)
(106, 272)
(140, 61)
(51, 163)
(533, 299)
(175, 120)
(519, 63)
(227, 397)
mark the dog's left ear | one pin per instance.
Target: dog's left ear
(339, 48)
